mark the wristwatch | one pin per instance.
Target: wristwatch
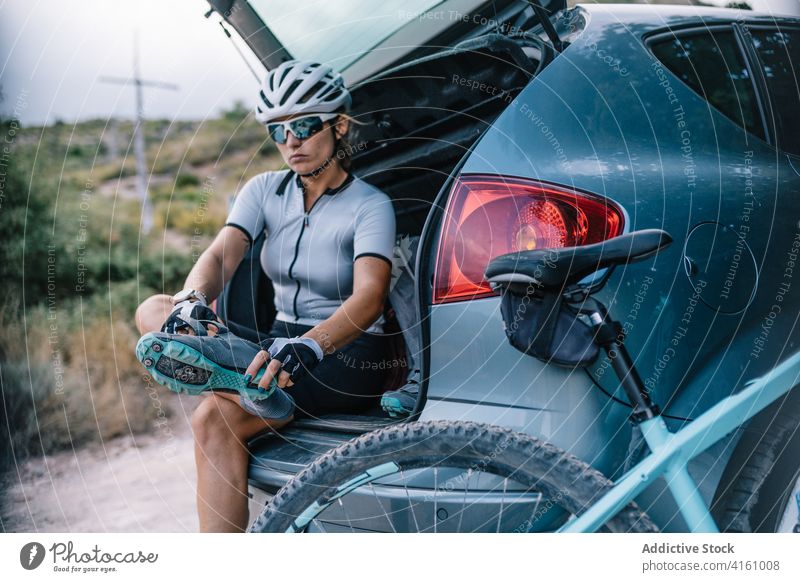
(190, 295)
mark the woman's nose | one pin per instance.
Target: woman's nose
(291, 139)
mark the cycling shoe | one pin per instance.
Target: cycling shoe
(193, 364)
(399, 403)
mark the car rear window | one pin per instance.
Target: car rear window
(779, 52)
(339, 32)
(712, 64)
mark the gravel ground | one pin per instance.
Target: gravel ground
(142, 483)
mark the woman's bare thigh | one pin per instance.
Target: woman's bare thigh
(243, 424)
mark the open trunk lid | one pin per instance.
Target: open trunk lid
(361, 38)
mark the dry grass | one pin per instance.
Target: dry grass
(70, 377)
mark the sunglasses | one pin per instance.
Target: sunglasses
(301, 127)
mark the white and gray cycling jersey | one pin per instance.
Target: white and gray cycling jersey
(309, 256)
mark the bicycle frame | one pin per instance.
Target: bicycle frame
(671, 452)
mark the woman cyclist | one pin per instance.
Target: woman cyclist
(328, 250)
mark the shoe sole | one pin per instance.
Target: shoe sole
(184, 370)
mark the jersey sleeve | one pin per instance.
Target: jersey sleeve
(247, 213)
(375, 229)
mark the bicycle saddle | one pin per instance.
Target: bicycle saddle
(558, 268)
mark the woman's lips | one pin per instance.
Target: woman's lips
(296, 157)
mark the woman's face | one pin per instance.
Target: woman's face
(305, 156)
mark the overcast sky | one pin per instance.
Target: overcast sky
(52, 53)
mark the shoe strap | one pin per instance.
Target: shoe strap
(200, 326)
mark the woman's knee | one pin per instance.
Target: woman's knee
(152, 312)
(218, 419)
(210, 422)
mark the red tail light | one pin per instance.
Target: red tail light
(487, 216)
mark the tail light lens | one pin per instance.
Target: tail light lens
(487, 216)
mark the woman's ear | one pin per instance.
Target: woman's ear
(341, 126)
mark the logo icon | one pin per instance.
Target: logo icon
(31, 555)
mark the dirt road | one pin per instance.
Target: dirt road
(144, 483)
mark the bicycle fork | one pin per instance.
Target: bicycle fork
(609, 336)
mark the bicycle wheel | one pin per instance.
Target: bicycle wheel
(442, 476)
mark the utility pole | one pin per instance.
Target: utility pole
(138, 131)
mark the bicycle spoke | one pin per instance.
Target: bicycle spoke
(410, 504)
(502, 502)
(435, 502)
(386, 515)
(346, 515)
(533, 513)
(464, 502)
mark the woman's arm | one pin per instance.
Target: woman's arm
(371, 277)
(218, 262)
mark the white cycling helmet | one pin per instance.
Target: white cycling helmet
(301, 87)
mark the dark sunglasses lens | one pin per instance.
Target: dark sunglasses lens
(277, 133)
(305, 127)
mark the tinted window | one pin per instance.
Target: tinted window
(712, 64)
(779, 51)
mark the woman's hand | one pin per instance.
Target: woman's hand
(286, 359)
(187, 315)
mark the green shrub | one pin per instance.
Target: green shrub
(69, 376)
(186, 180)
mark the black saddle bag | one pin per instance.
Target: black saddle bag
(543, 326)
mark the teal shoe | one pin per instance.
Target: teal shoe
(192, 364)
(400, 403)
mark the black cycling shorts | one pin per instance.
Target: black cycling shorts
(349, 380)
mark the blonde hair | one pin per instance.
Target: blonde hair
(343, 149)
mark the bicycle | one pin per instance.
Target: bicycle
(445, 476)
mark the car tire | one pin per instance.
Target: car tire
(759, 482)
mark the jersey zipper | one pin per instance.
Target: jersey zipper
(296, 252)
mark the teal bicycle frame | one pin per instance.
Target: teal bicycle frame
(671, 452)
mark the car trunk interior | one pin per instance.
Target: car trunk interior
(421, 118)
(417, 122)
